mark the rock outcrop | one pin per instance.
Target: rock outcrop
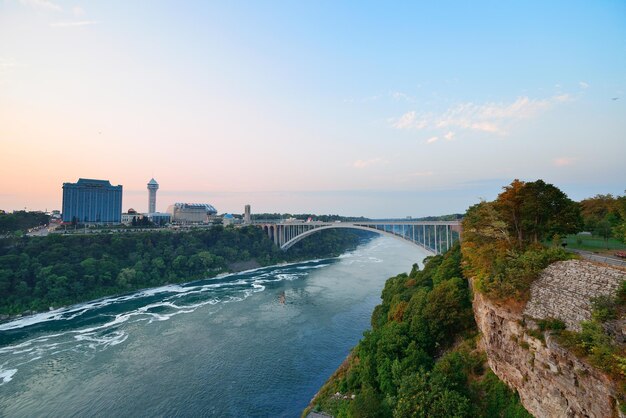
(551, 381)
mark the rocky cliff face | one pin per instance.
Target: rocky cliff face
(551, 381)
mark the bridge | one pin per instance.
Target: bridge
(435, 237)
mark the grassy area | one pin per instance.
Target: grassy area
(594, 243)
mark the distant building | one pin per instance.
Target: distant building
(159, 218)
(92, 201)
(130, 216)
(246, 215)
(153, 186)
(229, 219)
(191, 213)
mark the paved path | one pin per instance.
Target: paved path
(607, 259)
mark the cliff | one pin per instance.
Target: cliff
(551, 380)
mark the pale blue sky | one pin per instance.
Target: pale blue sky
(359, 108)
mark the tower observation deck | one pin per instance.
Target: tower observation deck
(153, 186)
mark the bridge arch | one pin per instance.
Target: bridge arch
(312, 231)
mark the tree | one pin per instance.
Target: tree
(546, 211)
(596, 208)
(509, 205)
(604, 230)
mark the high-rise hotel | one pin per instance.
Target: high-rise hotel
(92, 201)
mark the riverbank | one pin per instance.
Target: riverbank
(219, 347)
(52, 271)
(421, 354)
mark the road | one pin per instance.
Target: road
(607, 259)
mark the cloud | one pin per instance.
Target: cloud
(583, 85)
(42, 4)
(398, 95)
(563, 161)
(494, 118)
(367, 163)
(432, 139)
(449, 136)
(409, 121)
(73, 24)
(78, 11)
(405, 121)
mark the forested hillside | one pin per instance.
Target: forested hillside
(420, 358)
(39, 272)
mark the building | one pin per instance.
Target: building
(130, 216)
(160, 219)
(230, 219)
(92, 201)
(191, 213)
(246, 215)
(153, 186)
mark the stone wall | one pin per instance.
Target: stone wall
(551, 381)
(565, 289)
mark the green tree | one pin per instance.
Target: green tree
(604, 229)
(546, 211)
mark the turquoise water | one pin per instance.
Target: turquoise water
(257, 343)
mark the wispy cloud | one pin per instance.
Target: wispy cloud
(495, 118)
(583, 85)
(73, 24)
(42, 5)
(449, 136)
(405, 121)
(432, 139)
(78, 11)
(368, 163)
(398, 95)
(564, 161)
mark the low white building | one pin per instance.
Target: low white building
(191, 213)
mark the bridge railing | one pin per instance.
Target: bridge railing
(434, 236)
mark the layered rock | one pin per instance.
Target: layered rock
(551, 381)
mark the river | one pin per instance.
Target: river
(252, 344)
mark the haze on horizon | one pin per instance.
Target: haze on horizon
(352, 108)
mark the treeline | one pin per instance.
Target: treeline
(21, 220)
(605, 216)
(420, 358)
(305, 216)
(333, 218)
(57, 270)
(502, 240)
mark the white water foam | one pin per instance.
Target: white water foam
(108, 334)
(6, 375)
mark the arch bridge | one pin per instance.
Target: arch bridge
(435, 237)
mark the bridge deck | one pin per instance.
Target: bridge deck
(433, 236)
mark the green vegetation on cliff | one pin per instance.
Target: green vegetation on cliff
(39, 272)
(502, 248)
(420, 358)
(599, 347)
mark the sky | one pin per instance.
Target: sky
(377, 109)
